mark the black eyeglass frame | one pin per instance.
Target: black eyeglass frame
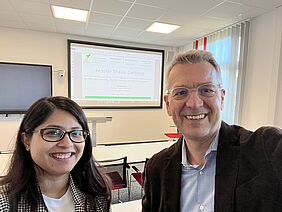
(85, 134)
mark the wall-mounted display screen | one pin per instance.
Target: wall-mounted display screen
(23, 84)
(113, 76)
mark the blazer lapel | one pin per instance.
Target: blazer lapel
(172, 179)
(226, 168)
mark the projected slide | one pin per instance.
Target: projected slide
(114, 76)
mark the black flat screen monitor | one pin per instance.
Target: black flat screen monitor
(23, 84)
(113, 76)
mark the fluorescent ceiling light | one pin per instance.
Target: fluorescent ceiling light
(69, 13)
(162, 28)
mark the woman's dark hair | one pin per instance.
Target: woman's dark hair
(21, 176)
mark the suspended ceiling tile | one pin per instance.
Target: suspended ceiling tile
(135, 23)
(264, 4)
(157, 3)
(95, 29)
(32, 7)
(230, 10)
(145, 12)
(103, 18)
(113, 7)
(127, 32)
(6, 6)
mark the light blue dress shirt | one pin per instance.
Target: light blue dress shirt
(198, 182)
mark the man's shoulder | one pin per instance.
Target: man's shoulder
(270, 138)
(169, 151)
(266, 138)
(243, 135)
(173, 151)
(265, 130)
(262, 134)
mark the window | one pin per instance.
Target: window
(229, 46)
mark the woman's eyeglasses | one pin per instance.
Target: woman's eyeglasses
(56, 134)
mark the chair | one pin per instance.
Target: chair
(116, 170)
(138, 177)
(173, 135)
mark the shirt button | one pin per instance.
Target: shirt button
(201, 172)
(202, 208)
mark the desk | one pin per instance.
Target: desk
(4, 163)
(94, 121)
(135, 153)
(133, 206)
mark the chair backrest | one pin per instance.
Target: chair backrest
(116, 170)
(139, 175)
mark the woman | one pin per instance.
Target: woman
(52, 168)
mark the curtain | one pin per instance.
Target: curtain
(229, 47)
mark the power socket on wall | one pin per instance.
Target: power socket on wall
(60, 73)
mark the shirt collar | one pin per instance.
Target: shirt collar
(212, 148)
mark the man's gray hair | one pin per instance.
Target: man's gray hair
(191, 57)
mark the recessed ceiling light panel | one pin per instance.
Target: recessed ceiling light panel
(162, 28)
(69, 13)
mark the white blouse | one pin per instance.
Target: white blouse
(65, 203)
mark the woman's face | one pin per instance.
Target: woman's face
(55, 158)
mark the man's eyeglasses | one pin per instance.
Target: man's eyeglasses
(55, 134)
(204, 90)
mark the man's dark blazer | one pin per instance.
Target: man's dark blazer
(248, 173)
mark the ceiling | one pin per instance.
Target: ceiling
(126, 20)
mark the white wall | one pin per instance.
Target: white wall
(262, 99)
(25, 46)
(262, 90)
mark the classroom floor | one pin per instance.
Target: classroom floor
(135, 194)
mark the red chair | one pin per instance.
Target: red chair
(138, 177)
(116, 170)
(173, 135)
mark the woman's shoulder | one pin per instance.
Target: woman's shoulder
(3, 190)
(4, 200)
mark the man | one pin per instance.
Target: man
(213, 166)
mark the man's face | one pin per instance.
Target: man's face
(196, 116)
